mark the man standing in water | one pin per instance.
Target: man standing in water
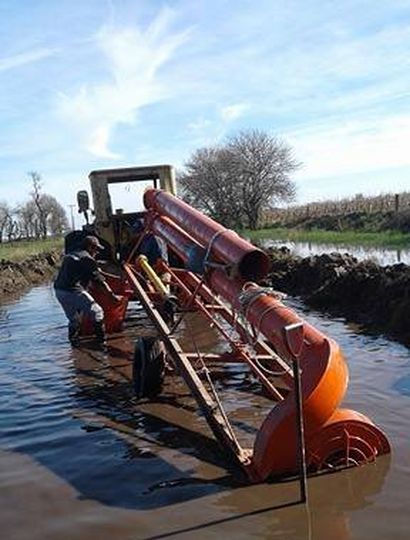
(77, 270)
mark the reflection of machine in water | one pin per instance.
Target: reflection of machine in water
(165, 444)
(332, 499)
(213, 272)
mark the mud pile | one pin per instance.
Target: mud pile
(15, 277)
(377, 297)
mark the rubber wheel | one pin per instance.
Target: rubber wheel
(148, 367)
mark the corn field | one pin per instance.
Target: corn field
(390, 202)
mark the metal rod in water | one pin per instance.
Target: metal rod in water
(300, 431)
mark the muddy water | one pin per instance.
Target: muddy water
(80, 459)
(382, 256)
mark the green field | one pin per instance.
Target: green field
(18, 251)
(380, 239)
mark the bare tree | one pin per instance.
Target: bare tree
(36, 195)
(11, 229)
(207, 185)
(41, 215)
(262, 165)
(45, 214)
(57, 221)
(6, 219)
(237, 181)
(27, 219)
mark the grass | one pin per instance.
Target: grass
(18, 251)
(380, 239)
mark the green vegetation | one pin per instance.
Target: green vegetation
(18, 251)
(380, 239)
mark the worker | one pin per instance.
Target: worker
(77, 270)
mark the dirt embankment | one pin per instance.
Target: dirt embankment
(377, 297)
(15, 277)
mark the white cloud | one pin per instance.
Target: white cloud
(335, 81)
(29, 57)
(233, 112)
(98, 143)
(200, 125)
(357, 146)
(134, 57)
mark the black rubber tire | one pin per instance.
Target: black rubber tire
(148, 367)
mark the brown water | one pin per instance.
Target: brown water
(81, 459)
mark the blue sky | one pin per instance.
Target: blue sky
(94, 84)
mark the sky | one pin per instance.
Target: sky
(89, 84)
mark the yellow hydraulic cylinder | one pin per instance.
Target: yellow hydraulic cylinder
(154, 278)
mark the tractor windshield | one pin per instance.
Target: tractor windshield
(127, 196)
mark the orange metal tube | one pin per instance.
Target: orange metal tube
(324, 383)
(330, 433)
(324, 374)
(176, 238)
(246, 260)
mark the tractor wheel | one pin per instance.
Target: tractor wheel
(148, 367)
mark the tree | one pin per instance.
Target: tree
(262, 165)
(6, 220)
(44, 214)
(38, 217)
(235, 182)
(57, 221)
(37, 197)
(28, 221)
(207, 185)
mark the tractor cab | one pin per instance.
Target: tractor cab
(117, 204)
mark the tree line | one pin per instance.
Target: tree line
(37, 218)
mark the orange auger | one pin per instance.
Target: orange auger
(333, 437)
(215, 277)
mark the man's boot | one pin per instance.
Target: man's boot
(100, 335)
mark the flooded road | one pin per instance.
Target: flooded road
(81, 459)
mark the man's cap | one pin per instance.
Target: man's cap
(93, 242)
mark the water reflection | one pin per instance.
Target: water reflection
(403, 385)
(382, 256)
(154, 431)
(74, 413)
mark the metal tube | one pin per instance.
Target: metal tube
(324, 385)
(279, 447)
(300, 431)
(176, 238)
(326, 372)
(225, 245)
(240, 353)
(152, 275)
(208, 405)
